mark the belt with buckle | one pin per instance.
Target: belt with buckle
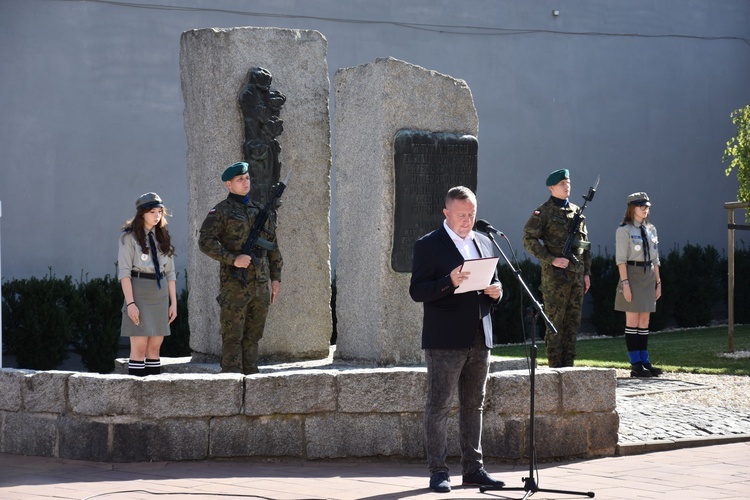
(138, 274)
(645, 263)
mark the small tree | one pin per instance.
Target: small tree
(738, 153)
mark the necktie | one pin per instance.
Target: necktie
(646, 249)
(154, 258)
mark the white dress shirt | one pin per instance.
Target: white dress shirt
(465, 245)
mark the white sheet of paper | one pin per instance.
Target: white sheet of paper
(481, 274)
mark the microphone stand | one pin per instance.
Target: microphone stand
(530, 485)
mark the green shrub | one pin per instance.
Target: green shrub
(177, 343)
(604, 280)
(511, 318)
(43, 318)
(741, 286)
(664, 314)
(97, 331)
(531, 272)
(507, 316)
(696, 274)
(38, 318)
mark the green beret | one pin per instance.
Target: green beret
(233, 171)
(557, 176)
(639, 199)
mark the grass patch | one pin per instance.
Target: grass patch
(696, 350)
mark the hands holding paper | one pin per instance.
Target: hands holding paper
(495, 291)
(459, 277)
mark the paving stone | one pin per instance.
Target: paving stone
(643, 419)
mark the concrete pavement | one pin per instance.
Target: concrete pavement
(664, 451)
(712, 472)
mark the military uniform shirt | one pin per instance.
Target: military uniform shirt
(226, 229)
(549, 223)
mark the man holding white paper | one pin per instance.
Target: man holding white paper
(456, 336)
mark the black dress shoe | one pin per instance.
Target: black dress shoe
(481, 478)
(637, 370)
(440, 482)
(654, 370)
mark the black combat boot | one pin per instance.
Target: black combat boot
(554, 362)
(653, 369)
(637, 370)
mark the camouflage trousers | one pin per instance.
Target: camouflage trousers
(243, 317)
(562, 294)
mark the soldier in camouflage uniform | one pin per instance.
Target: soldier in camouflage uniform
(244, 306)
(564, 282)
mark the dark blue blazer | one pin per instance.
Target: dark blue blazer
(450, 320)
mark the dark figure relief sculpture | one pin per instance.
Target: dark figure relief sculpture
(260, 108)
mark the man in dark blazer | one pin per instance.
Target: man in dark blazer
(456, 337)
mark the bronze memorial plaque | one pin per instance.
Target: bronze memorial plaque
(427, 165)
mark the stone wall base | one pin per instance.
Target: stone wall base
(305, 414)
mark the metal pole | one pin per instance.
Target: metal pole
(1, 286)
(730, 278)
(731, 206)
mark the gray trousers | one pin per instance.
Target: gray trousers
(447, 369)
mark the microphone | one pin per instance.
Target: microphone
(485, 227)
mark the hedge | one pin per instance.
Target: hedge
(44, 319)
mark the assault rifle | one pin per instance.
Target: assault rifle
(254, 241)
(575, 224)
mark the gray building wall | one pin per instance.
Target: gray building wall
(637, 91)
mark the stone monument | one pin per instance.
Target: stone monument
(403, 136)
(214, 66)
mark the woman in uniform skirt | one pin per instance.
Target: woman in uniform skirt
(637, 258)
(145, 264)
